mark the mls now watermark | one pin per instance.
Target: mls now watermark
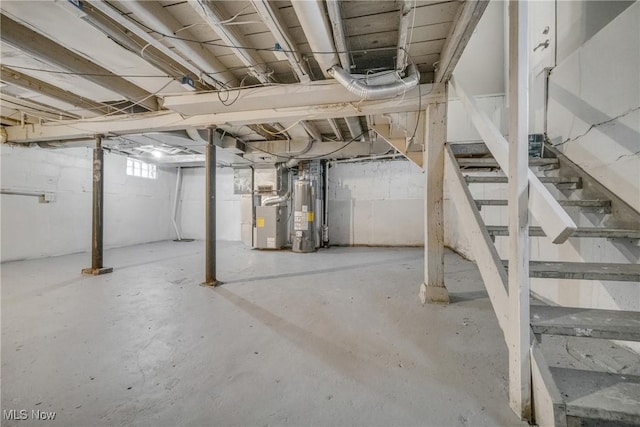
(23, 414)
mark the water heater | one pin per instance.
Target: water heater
(304, 232)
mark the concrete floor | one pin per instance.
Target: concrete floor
(335, 338)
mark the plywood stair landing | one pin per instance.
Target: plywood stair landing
(578, 397)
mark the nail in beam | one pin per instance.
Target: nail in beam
(98, 213)
(210, 243)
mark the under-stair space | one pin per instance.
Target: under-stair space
(599, 262)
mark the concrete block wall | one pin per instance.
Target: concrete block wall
(137, 210)
(376, 203)
(192, 210)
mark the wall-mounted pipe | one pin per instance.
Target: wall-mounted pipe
(325, 203)
(43, 197)
(176, 202)
(364, 90)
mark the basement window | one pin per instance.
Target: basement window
(141, 169)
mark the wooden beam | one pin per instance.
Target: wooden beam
(484, 251)
(49, 51)
(519, 329)
(146, 38)
(17, 78)
(464, 24)
(326, 93)
(303, 104)
(555, 221)
(549, 406)
(433, 288)
(400, 144)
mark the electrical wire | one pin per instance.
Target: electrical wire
(231, 46)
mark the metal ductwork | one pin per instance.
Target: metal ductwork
(316, 27)
(361, 88)
(335, 16)
(318, 31)
(276, 200)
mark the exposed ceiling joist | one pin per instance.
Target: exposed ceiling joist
(47, 50)
(158, 19)
(17, 78)
(355, 128)
(336, 129)
(464, 24)
(263, 113)
(272, 19)
(403, 33)
(148, 38)
(116, 31)
(30, 111)
(213, 16)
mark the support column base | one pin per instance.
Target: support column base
(434, 294)
(211, 284)
(97, 271)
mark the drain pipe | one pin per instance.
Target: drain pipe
(325, 204)
(176, 201)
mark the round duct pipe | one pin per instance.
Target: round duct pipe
(364, 90)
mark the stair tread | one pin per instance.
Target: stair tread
(584, 270)
(581, 203)
(501, 179)
(586, 322)
(594, 232)
(599, 395)
(491, 162)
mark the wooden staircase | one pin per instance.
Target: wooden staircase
(577, 397)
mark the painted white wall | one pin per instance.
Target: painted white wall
(137, 210)
(192, 209)
(594, 105)
(376, 203)
(481, 65)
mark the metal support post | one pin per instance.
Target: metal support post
(98, 213)
(210, 214)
